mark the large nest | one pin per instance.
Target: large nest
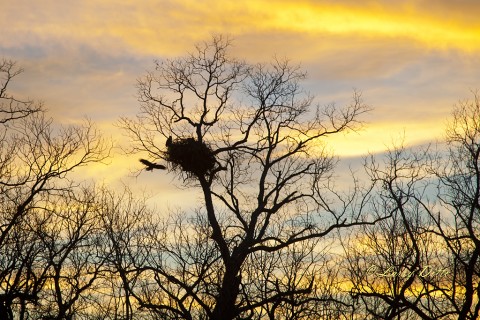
(191, 156)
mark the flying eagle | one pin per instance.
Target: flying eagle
(151, 166)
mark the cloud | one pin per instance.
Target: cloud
(168, 27)
(411, 59)
(378, 137)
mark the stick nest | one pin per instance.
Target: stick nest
(190, 156)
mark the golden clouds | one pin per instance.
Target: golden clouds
(376, 137)
(96, 49)
(409, 22)
(167, 27)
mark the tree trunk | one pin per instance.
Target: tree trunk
(225, 308)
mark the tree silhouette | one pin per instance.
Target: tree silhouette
(12, 108)
(425, 261)
(262, 168)
(39, 207)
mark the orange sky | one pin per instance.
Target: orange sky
(412, 60)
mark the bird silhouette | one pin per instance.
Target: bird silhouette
(151, 166)
(169, 141)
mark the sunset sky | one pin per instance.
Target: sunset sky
(412, 60)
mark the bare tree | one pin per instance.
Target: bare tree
(10, 107)
(71, 237)
(36, 159)
(387, 261)
(249, 139)
(424, 262)
(457, 221)
(128, 225)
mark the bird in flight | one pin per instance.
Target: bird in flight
(151, 166)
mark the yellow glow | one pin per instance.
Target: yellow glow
(376, 138)
(299, 17)
(161, 27)
(432, 31)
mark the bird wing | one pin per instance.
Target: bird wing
(146, 162)
(151, 165)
